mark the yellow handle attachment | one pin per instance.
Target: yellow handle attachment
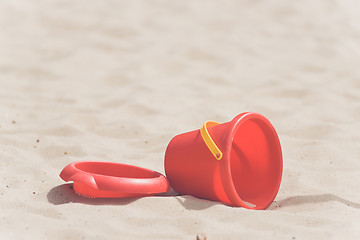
(209, 141)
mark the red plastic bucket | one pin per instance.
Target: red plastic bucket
(238, 162)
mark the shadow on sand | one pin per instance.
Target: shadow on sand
(312, 199)
(193, 203)
(64, 193)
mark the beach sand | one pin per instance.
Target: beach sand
(116, 80)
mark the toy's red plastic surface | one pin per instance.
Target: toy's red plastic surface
(113, 180)
(249, 173)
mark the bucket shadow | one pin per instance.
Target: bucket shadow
(64, 193)
(193, 203)
(312, 199)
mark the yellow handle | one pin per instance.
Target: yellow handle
(209, 141)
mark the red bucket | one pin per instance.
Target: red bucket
(238, 162)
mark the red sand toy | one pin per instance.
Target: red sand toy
(113, 180)
(239, 163)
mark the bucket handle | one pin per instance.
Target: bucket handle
(209, 141)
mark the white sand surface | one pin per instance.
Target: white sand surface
(116, 80)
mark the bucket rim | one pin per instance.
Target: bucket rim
(229, 186)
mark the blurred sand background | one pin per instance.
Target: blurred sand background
(116, 80)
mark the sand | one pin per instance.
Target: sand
(116, 80)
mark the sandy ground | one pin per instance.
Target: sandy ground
(116, 80)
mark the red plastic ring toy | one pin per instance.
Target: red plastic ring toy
(113, 180)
